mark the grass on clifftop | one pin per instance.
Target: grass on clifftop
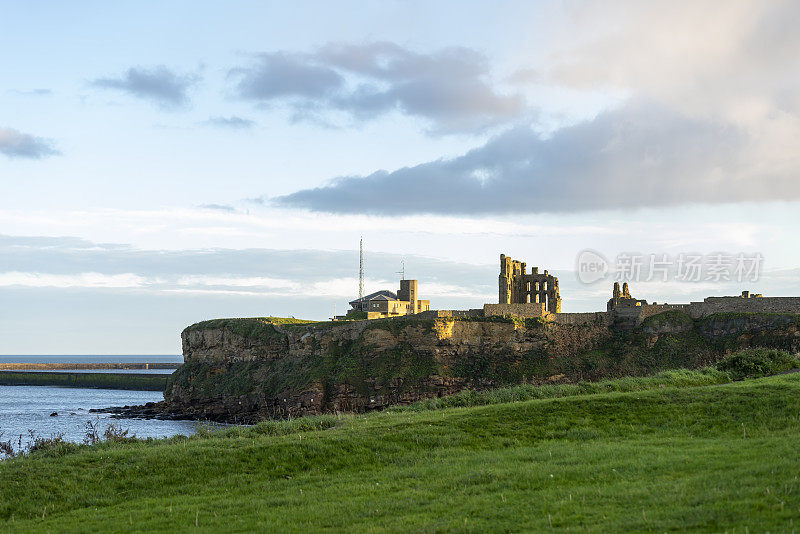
(667, 457)
(245, 321)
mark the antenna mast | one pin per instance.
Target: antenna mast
(361, 268)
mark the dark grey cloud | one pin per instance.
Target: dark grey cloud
(450, 88)
(15, 144)
(159, 84)
(282, 74)
(233, 122)
(640, 154)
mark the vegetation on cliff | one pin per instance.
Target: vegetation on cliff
(253, 328)
(295, 368)
(709, 458)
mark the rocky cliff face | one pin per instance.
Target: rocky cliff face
(250, 369)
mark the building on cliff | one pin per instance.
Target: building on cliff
(385, 303)
(524, 294)
(622, 298)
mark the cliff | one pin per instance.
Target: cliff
(250, 369)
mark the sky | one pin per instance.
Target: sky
(163, 163)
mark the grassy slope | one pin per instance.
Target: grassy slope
(705, 458)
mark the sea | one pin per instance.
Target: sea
(49, 411)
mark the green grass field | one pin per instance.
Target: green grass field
(671, 455)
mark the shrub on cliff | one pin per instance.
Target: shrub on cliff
(752, 363)
(671, 319)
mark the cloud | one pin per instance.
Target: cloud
(71, 264)
(66, 261)
(160, 85)
(691, 55)
(15, 144)
(32, 92)
(84, 280)
(281, 74)
(233, 122)
(640, 154)
(525, 76)
(736, 65)
(450, 88)
(707, 111)
(218, 207)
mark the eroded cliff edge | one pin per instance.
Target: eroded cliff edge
(246, 370)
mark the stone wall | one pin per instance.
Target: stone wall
(531, 309)
(603, 318)
(435, 314)
(712, 305)
(748, 305)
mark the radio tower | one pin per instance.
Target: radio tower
(361, 268)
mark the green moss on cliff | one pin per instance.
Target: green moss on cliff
(396, 325)
(255, 328)
(504, 367)
(203, 379)
(671, 318)
(729, 332)
(416, 353)
(362, 367)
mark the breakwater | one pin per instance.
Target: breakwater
(84, 366)
(131, 381)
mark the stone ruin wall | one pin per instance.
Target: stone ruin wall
(603, 318)
(436, 314)
(712, 305)
(751, 305)
(517, 286)
(525, 311)
(634, 314)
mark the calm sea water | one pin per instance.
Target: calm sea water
(24, 408)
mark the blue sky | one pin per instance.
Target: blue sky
(164, 163)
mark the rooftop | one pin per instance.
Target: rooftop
(384, 294)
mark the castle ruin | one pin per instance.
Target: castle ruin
(524, 294)
(519, 287)
(622, 298)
